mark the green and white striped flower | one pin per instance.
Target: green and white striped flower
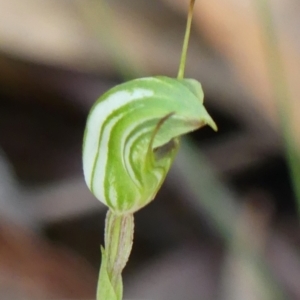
(131, 138)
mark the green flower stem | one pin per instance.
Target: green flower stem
(118, 244)
(186, 41)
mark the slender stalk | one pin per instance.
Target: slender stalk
(281, 92)
(186, 40)
(118, 244)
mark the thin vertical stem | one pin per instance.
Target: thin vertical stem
(118, 244)
(186, 41)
